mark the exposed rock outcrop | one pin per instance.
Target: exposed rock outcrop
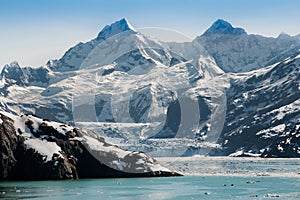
(36, 149)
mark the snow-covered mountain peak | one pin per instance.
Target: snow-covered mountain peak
(236, 51)
(115, 28)
(283, 35)
(223, 27)
(74, 57)
(13, 69)
(13, 64)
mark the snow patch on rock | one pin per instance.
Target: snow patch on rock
(45, 148)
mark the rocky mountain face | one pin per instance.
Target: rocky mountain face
(263, 112)
(170, 99)
(36, 149)
(222, 27)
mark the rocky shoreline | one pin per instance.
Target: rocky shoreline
(37, 149)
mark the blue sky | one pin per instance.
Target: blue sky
(34, 31)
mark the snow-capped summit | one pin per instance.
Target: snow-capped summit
(73, 58)
(13, 64)
(14, 72)
(223, 27)
(115, 28)
(284, 36)
(236, 51)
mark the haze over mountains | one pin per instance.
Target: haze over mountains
(224, 93)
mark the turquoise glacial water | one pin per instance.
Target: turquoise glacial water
(188, 187)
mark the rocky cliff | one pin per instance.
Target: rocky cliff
(37, 149)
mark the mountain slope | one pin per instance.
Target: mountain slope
(122, 56)
(263, 112)
(222, 27)
(74, 57)
(236, 51)
(37, 149)
(170, 99)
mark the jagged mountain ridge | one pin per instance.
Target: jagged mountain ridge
(73, 58)
(138, 55)
(143, 89)
(236, 51)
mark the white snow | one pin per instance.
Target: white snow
(241, 152)
(237, 153)
(245, 95)
(96, 145)
(130, 26)
(140, 161)
(120, 164)
(19, 123)
(61, 128)
(297, 56)
(272, 132)
(279, 128)
(157, 167)
(284, 110)
(43, 147)
(2, 83)
(107, 152)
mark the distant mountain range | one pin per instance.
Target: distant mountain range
(225, 93)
